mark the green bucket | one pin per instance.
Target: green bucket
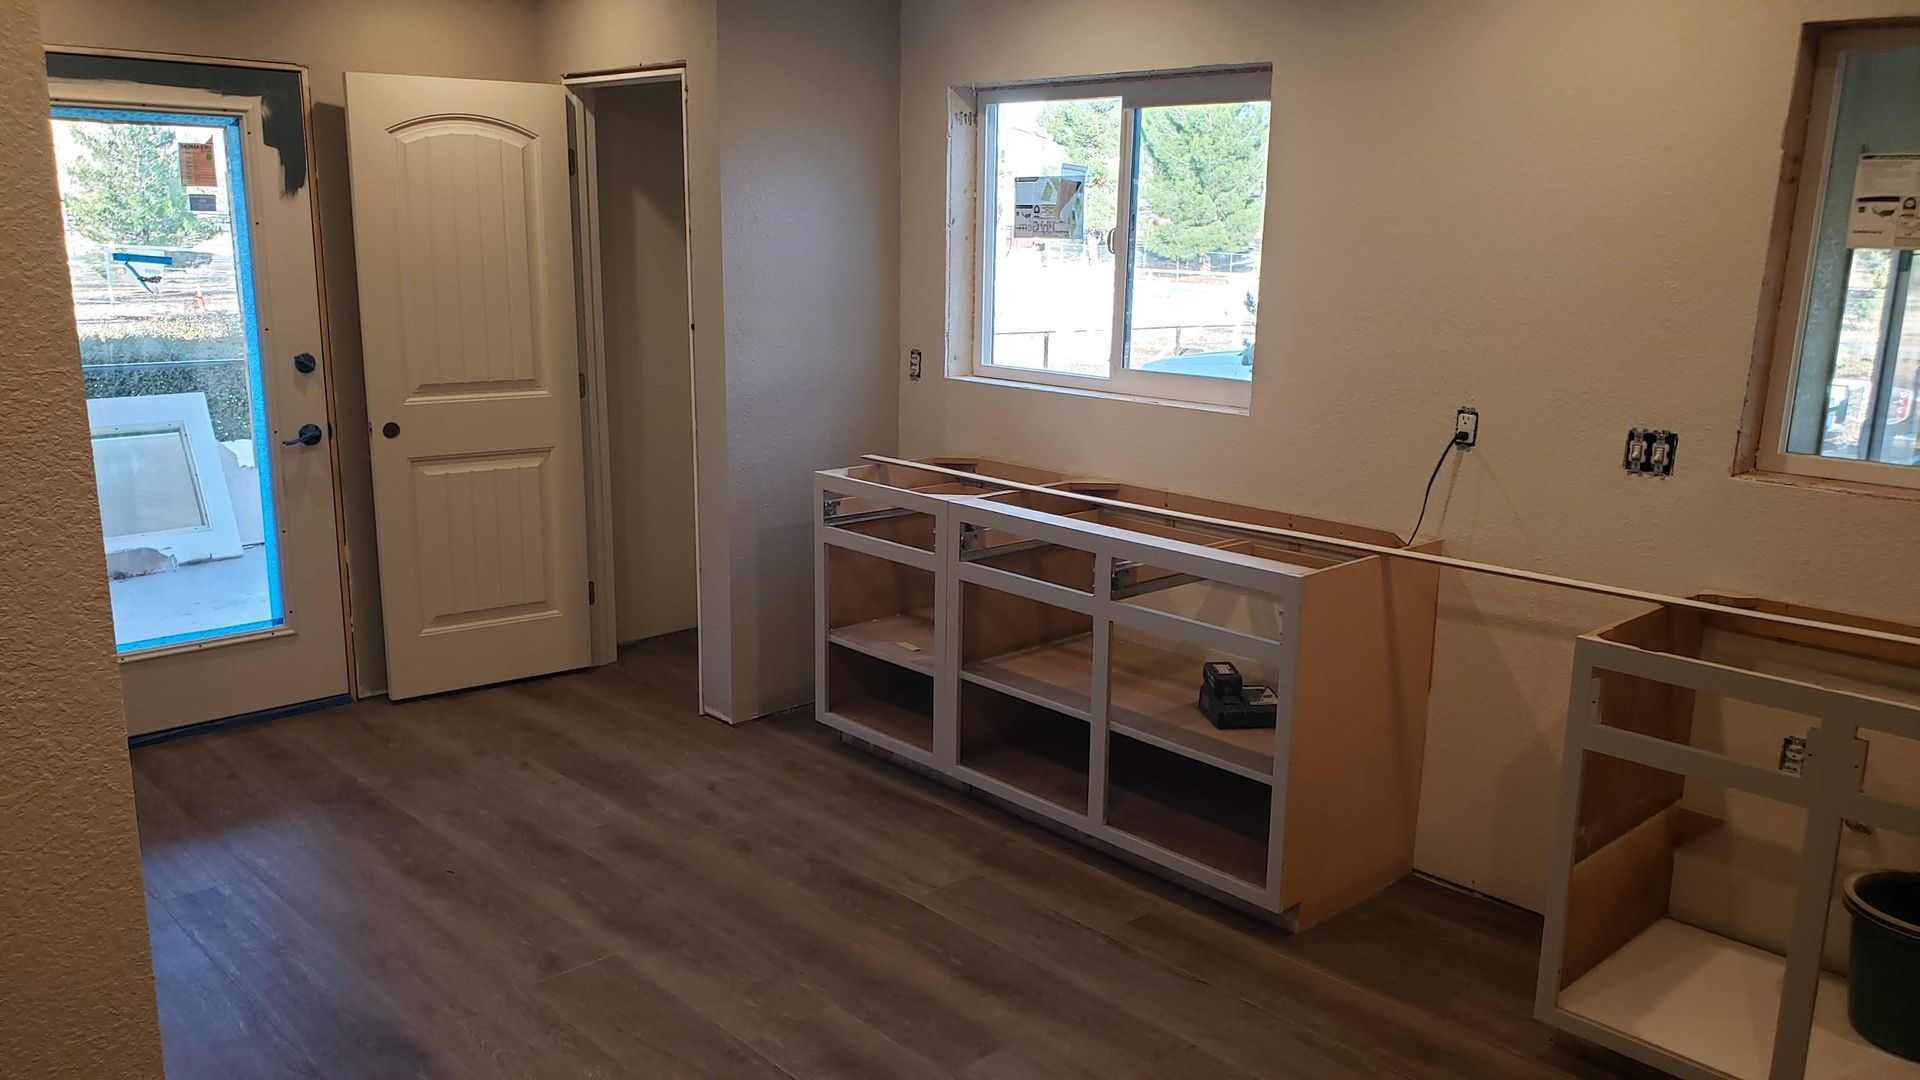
(1883, 980)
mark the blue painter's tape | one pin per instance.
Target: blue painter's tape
(256, 370)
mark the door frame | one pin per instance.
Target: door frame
(590, 303)
(159, 96)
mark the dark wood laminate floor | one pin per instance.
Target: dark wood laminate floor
(577, 876)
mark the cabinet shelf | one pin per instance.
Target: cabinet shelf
(880, 696)
(1189, 808)
(1155, 696)
(1057, 675)
(894, 720)
(1033, 749)
(905, 639)
(1715, 1001)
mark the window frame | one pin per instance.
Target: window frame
(1135, 92)
(1787, 318)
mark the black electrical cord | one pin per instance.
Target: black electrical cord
(1452, 441)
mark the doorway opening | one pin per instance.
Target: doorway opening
(637, 353)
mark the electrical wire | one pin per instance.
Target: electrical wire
(1452, 441)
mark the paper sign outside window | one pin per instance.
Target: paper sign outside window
(196, 165)
(1886, 202)
(1051, 207)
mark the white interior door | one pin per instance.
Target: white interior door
(463, 233)
(196, 292)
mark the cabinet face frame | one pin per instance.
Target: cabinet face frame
(1108, 545)
(826, 491)
(1828, 791)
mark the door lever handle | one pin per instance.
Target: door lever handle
(309, 436)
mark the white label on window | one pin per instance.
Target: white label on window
(1886, 202)
(1051, 207)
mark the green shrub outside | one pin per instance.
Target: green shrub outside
(133, 352)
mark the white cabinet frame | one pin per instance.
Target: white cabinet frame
(1828, 790)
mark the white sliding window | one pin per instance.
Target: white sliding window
(1121, 233)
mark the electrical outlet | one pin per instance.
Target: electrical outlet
(1466, 427)
(913, 364)
(1793, 754)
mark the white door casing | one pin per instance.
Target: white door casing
(464, 247)
(305, 657)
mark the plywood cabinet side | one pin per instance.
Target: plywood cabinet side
(1617, 796)
(1363, 665)
(1619, 890)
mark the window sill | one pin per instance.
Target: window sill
(1109, 395)
(1828, 484)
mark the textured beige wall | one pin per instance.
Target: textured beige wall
(643, 272)
(1556, 211)
(76, 984)
(794, 309)
(475, 39)
(810, 173)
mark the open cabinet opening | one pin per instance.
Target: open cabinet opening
(631, 225)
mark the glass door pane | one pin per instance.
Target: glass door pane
(1056, 168)
(158, 257)
(1200, 200)
(1895, 421)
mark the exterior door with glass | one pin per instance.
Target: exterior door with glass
(191, 253)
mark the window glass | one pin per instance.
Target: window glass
(146, 483)
(1859, 347)
(1893, 421)
(1200, 182)
(1051, 271)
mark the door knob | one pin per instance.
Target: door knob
(309, 435)
(390, 429)
(304, 363)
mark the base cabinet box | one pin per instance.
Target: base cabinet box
(1041, 639)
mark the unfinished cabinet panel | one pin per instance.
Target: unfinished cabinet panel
(882, 608)
(1071, 623)
(1716, 803)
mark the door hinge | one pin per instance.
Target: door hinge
(572, 161)
(583, 384)
(589, 593)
